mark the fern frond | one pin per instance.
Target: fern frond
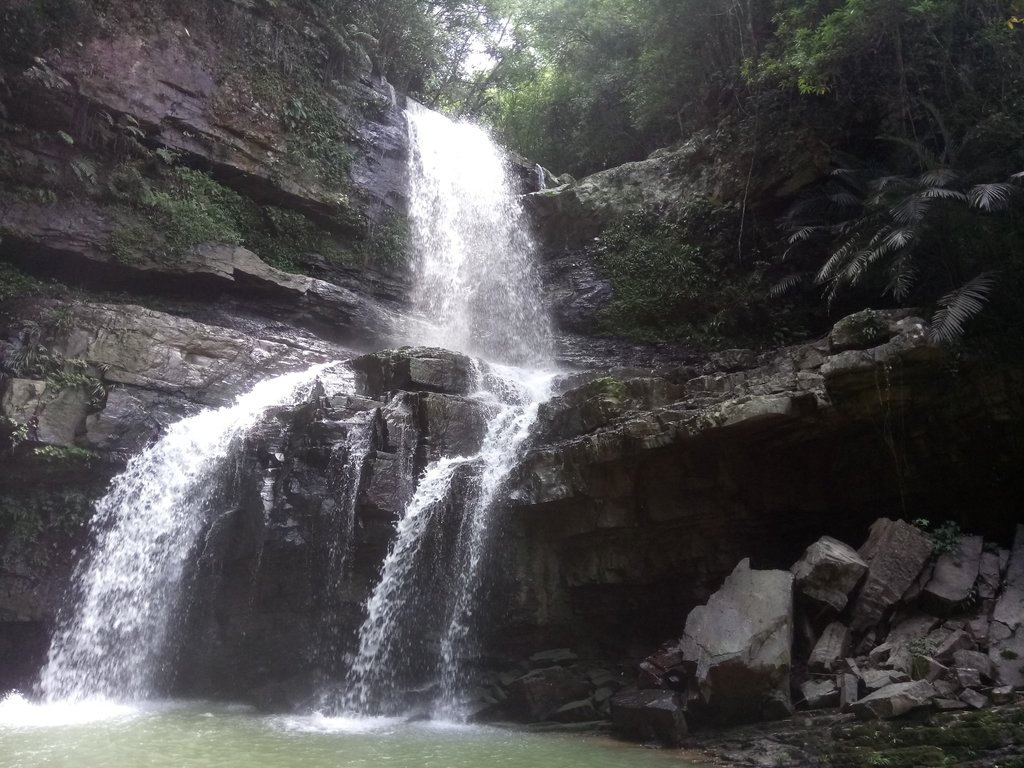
(959, 306)
(991, 197)
(899, 237)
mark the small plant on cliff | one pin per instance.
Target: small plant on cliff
(15, 283)
(945, 537)
(65, 453)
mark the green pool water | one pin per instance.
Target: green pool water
(199, 735)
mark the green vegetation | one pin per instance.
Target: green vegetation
(182, 209)
(16, 284)
(285, 238)
(924, 99)
(34, 357)
(177, 208)
(678, 278)
(65, 453)
(967, 738)
(608, 386)
(26, 515)
(945, 537)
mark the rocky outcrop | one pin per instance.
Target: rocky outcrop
(772, 452)
(912, 661)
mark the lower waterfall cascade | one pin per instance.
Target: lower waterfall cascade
(112, 640)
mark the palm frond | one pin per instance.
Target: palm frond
(802, 234)
(910, 210)
(959, 306)
(902, 276)
(836, 261)
(938, 177)
(991, 197)
(786, 284)
(941, 193)
(843, 198)
(898, 238)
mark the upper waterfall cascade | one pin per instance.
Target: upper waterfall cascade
(477, 289)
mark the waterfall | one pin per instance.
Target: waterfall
(111, 642)
(478, 291)
(477, 288)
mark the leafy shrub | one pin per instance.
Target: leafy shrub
(675, 278)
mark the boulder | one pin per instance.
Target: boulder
(896, 551)
(22, 399)
(649, 715)
(849, 690)
(60, 412)
(832, 647)
(828, 572)
(580, 711)
(740, 644)
(416, 369)
(954, 575)
(968, 678)
(1006, 652)
(972, 659)
(1009, 609)
(894, 700)
(876, 679)
(956, 640)
(988, 575)
(927, 668)
(455, 426)
(865, 329)
(539, 694)
(1006, 631)
(1002, 695)
(974, 699)
(819, 694)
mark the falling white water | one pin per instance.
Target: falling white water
(499, 453)
(477, 287)
(338, 531)
(409, 577)
(477, 291)
(112, 643)
(382, 636)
